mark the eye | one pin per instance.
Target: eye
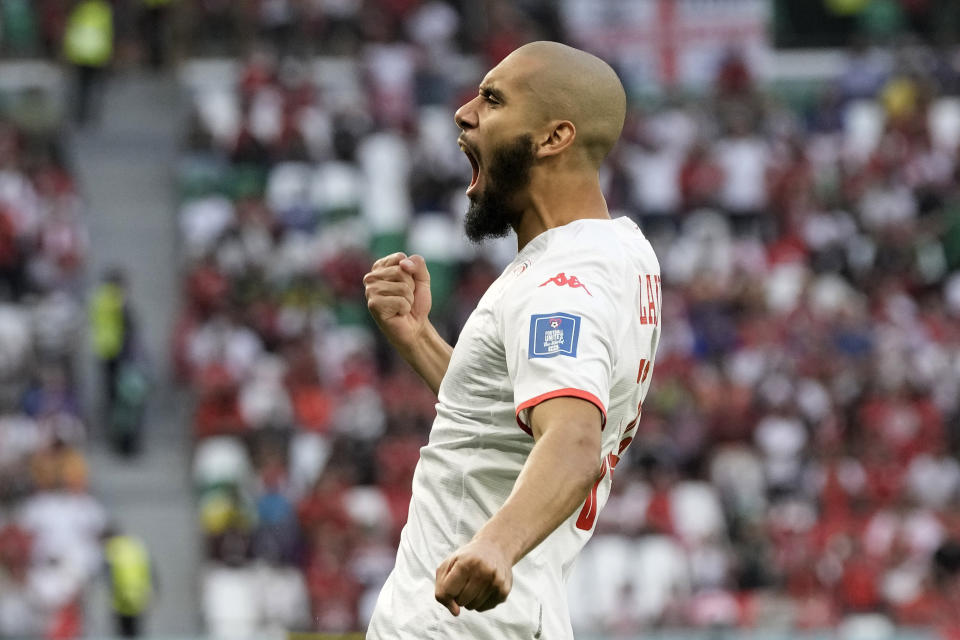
(488, 97)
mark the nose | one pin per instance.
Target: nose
(466, 116)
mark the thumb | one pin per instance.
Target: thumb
(451, 605)
(416, 266)
(447, 600)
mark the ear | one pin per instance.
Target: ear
(560, 136)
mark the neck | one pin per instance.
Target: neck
(559, 198)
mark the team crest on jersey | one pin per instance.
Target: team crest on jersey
(553, 334)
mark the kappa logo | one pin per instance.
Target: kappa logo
(562, 280)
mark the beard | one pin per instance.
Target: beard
(494, 212)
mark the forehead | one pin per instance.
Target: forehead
(511, 74)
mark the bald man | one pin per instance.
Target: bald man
(542, 394)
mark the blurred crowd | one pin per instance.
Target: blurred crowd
(797, 460)
(307, 427)
(159, 32)
(50, 525)
(796, 463)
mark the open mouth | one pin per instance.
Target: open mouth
(474, 165)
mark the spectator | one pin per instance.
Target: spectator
(132, 582)
(115, 342)
(49, 522)
(88, 46)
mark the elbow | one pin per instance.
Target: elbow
(585, 484)
(595, 472)
(584, 480)
(593, 466)
(590, 466)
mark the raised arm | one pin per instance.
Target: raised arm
(398, 297)
(554, 482)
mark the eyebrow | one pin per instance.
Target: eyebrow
(492, 91)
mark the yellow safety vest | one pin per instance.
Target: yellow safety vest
(846, 7)
(129, 575)
(106, 321)
(88, 39)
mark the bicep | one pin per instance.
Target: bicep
(581, 419)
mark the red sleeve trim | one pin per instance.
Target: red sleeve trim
(561, 393)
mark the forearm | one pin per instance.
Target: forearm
(429, 357)
(554, 482)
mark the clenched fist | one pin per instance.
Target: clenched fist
(477, 576)
(398, 297)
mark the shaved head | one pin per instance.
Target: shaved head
(538, 130)
(570, 84)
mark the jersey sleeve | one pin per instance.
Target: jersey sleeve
(559, 325)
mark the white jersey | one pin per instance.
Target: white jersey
(577, 313)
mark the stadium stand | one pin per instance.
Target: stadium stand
(796, 464)
(50, 525)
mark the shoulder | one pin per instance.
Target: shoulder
(599, 246)
(581, 263)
